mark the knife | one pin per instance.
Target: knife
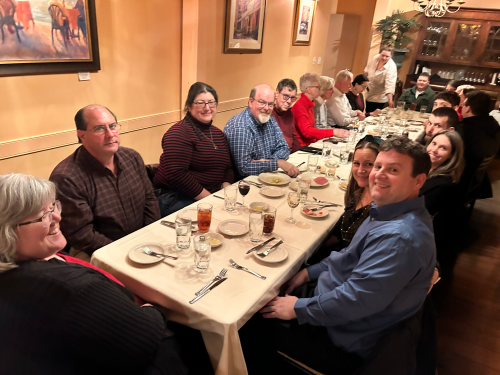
(216, 196)
(208, 290)
(261, 245)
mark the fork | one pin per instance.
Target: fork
(266, 253)
(148, 251)
(221, 274)
(238, 267)
(327, 203)
(256, 184)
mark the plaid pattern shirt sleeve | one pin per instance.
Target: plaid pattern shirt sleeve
(250, 141)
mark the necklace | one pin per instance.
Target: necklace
(211, 139)
(345, 232)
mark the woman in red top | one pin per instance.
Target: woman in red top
(303, 113)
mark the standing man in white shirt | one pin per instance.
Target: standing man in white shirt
(383, 73)
(338, 104)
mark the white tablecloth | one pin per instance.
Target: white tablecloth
(224, 310)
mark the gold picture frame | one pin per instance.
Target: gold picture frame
(303, 22)
(244, 26)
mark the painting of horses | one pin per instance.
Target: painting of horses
(46, 31)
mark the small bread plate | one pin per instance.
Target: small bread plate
(275, 178)
(137, 254)
(216, 239)
(259, 206)
(275, 256)
(233, 227)
(316, 180)
(189, 213)
(272, 191)
(306, 211)
(415, 122)
(413, 129)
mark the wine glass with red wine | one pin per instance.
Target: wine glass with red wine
(244, 188)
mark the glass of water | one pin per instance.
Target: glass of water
(303, 186)
(230, 194)
(312, 163)
(344, 155)
(331, 169)
(327, 150)
(183, 233)
(423, 109)
(202, 249)
(256, 221)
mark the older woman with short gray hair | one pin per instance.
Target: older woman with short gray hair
(54, 307)
(322, 115)
(303, 113)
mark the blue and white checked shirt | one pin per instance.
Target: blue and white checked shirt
(250, 140)
(380, 279)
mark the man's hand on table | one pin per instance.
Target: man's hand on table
(341, 133)
(361, 116)
(280, 307)
(378, 111)
(289, 168)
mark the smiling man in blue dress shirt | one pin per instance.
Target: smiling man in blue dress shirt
(255, 139)
(380, 279)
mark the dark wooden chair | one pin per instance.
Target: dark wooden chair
(7, 11)
(475, 184)
(59, 22)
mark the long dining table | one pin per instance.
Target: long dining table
(171, 284)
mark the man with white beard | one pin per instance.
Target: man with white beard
(255, 139)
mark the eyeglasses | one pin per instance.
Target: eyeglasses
(201, 105)
(262, 104)
(288, 97)
(318, 87)
(46, 218)
(101, 129)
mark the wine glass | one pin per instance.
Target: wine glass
(293, 201)
(244, 188)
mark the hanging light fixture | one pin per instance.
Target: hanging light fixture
(436, 8)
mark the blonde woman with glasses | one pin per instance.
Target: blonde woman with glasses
(322, 115)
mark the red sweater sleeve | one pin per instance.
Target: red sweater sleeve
(304, 122)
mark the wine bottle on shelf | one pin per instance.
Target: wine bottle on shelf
(466, 77)
(483, 78)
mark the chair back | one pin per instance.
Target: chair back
(478, 176)
(57, 16)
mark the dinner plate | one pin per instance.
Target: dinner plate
(275, 256)
(319, 214)
(138, 255)
(272, 191)
(190, 213)
(275, 178)
(312, 177)
(415, 123)
(233, 227)
(217, 239)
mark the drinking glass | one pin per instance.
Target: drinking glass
(230, 194)
(202, 249)
(423, 109)
(331, 169)
(327, 150)
(312, 162)
(303, 186)
(204, 216)
(344, 155)
(413, 106)
(269, 220)
(244, 188)
(256, 222)
(183, 232)
(401, 105)
(293, 201)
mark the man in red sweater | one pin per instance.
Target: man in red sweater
(286, 95)
(303, 114)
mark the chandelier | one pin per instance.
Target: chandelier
(436, 8)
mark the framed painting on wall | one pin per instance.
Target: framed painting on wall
(41, 36)
(244, 26)
(303, 23)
